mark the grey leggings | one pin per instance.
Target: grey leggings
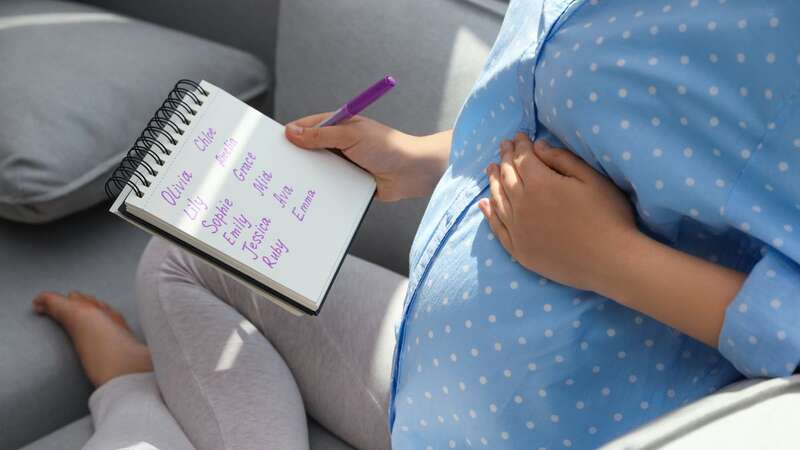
(236, 371)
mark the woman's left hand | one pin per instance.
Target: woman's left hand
(556, 215)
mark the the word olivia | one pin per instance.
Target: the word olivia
(173, 192)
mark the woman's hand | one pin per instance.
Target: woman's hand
(555, 214)
(404, 166)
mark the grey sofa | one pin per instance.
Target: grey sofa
(319, 52)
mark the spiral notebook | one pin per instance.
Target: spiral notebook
(219, 178)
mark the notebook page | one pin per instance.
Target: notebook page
(236, 185)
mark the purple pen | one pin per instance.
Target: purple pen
(360, 102)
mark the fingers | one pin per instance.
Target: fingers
(520, 138)
(512, 183)
(312, 120)
(522, 147)
(526, 162)
(303, 133)
(497, 226)
(499, 201)
(563, 161)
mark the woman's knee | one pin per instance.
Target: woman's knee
(161, 262)
(164, 266)
(157, 256)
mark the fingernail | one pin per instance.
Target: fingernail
(294, 129)
(541, 145)
(505, 146)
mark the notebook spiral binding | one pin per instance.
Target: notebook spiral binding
(180, 105)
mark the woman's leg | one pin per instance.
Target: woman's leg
(128, 413)
(226, 385)
(341, 360)
(126, 407)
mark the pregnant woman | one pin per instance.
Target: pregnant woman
(641, 254)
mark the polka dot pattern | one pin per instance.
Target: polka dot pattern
(698, 132)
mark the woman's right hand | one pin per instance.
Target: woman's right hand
(404, 166)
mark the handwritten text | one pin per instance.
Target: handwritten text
(173, 191)
(205, 139)
(220, 216)
(300, 213)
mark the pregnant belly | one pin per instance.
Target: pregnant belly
(488, 341)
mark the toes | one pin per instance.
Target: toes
(79, 297)
(89, 300)
(65, 309)
(119, 319)
(50, 303)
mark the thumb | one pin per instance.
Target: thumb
(305, 134)
(562, 161)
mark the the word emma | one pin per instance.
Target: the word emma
(301, 211)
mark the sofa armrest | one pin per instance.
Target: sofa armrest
(745, 415)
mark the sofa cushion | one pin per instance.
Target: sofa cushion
(76, 434)
(77, 86)
(42, 385)
(73, 436)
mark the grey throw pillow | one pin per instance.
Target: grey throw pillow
(77, 86)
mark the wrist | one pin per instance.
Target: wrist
(675, 288)
(618, 276)
(428, 158)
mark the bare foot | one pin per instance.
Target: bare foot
(104, 342)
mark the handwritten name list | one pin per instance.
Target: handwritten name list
(233, 224)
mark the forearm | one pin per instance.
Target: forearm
(685, 292)
(435, 148)
(430, 155)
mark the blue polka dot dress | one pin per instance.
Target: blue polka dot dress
(691, 107)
